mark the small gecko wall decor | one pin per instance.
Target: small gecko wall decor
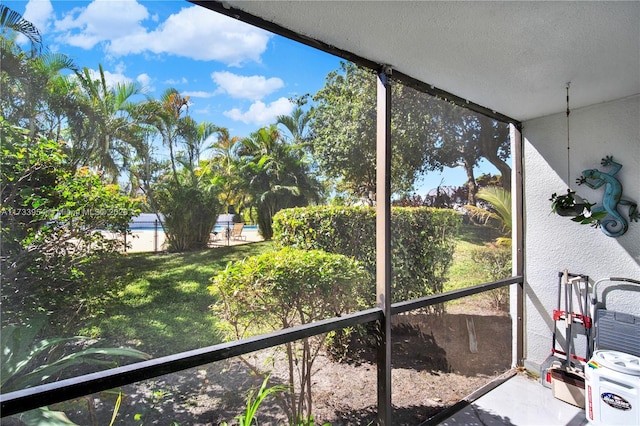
(613, 224)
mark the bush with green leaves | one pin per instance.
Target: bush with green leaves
(52, 219)
(422, 241)
(495, 261)
(496, 212)
(190, 213)
(282, 289)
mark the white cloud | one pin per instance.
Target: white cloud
(121, 67)
(173, 81)
(145, 81)
(202, 34)
(112, 79)
(198, 94)
(260, 113)
(39, 13)
(204, 111)
(125, 27)
(102, 21)
(253, 88)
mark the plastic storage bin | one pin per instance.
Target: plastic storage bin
(612, 388)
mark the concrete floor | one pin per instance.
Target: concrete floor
(518, 401)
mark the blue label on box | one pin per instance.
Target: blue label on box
(616, 401)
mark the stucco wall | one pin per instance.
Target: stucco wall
(553, 243)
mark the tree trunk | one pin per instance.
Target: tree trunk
(292, 395)
(471, 184)
(490, 144)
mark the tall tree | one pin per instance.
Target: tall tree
(277, 176)
(195, 136)
(297, 124)
(463, 139)
(427, 134)
(495, 147)
(343, 125)
(165, 115)
(226, 147)
(225, 163)
(109, 118)
(29, 82)
(185, 195)
(14, 21)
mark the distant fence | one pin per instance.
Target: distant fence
(149, 235)
(152, 242)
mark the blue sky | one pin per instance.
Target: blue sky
(235, 75)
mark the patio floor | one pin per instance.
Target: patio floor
(520, 400)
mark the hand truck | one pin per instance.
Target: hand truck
(563, 353)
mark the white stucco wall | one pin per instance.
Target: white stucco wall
(553, 243)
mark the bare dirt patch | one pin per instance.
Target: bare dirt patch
(435, 364)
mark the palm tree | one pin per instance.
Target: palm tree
(110, 118)
(500, 214)
(277, 176)
(35, 95)
(297, 124)
(226, 147)
(185, 195)
(12, 20)
(165, 115)
(495, 258)
(225, 156)
(194, 136)
(30, 85)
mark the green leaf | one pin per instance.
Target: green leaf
(16, 342)
(44, 417)
(42, 373)
(19, 351)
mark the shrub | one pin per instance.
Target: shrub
(190, 214)
(28, 362)
(495, 261)
(281, 289)
(52, 218)
(422, 241)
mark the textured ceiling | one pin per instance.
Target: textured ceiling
(512, 57)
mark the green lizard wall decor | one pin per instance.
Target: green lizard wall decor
(613, 224)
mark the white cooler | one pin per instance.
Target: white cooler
(612, 388)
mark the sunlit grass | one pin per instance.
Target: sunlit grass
(464, 271)
(188, 286)
(164, 305)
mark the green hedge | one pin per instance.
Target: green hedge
(288, 287)
(422, 241)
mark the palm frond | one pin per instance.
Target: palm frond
(500, 199)
(13, 20)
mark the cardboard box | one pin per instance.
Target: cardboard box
(567, 386)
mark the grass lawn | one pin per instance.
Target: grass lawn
(163, 304)
(464, 271)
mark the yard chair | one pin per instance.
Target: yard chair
(213, 237)
(236, 232)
